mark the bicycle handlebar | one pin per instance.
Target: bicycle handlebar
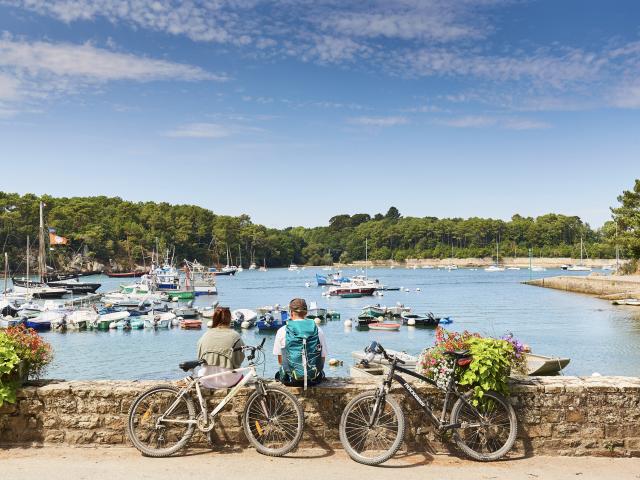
(250, 347)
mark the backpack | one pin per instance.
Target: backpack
(302, 356)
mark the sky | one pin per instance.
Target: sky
(293, 111)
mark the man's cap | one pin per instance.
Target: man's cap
(298, 305)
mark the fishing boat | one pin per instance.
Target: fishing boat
(190, 324)
(315, 311)
(374, 310)
(135, 274)
(543, 365)
(415, 320)
(158, 320)
(243, 318)
(199, 279)
(271, 320)
(385, 326)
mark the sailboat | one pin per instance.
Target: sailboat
(263, 268)
(240, 269)
(229, 269)
(581, 267)
(40, 289)
(451, 266)
(495, 267)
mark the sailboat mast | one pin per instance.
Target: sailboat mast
(28, 279)
(42, 264)
(617, 250)
(6, 268)
(366, 257)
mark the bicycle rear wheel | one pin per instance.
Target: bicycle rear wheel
(489, 430)
(161, 438)
(377, 443)
(273, 422)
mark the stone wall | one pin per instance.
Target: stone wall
(610, 286)
(558, 416)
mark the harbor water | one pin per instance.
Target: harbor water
(597, 336)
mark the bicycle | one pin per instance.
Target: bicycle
(163, 418)
(372, 425)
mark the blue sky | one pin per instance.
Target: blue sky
(293, 111)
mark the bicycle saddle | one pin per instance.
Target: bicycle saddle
(186, 366)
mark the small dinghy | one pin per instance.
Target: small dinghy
(186, 311)
(190, 324)
(415, 320)
(385, 326)
(243, 318)
(272, 320)
(542, 365)
(104, 321)
(159, 320)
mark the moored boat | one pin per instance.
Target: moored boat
(374, 310)
(415, 320)
(315, 311)
(272, 320)
(190, 324)
(158, 320)
(243, 318)
(543, 365)
(410, 361)
(125, 274)
(385, 326)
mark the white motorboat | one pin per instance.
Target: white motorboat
(293, 267)
(315, 311)
(81, 319)
(159, 320)
(538, 269)
(513, 268)
(40, 291)
(243, 318)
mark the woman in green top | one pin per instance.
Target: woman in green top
(216, 348)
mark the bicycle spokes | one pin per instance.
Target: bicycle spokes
(273, 420)
(485, 428)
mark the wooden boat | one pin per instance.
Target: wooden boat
(385, 326)
(413, 319)
(125, 274)
(542, 365)
(190, 324)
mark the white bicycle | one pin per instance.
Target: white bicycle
(163, 418)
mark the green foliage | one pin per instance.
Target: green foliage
(125, 232)
(627, 220)
(9, 361)
(490, 367)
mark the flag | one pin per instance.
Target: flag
(56, 239)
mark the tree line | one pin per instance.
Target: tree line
(113, 231)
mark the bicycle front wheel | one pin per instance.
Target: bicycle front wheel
(367, 442)
(487, 431)
(273, 421)
(156, 429)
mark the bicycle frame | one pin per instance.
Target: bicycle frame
(440, 423)
(250, 374)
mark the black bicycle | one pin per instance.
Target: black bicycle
(372, 425)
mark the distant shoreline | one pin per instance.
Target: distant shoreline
(522, 262)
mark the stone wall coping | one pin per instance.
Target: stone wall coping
(558, 384)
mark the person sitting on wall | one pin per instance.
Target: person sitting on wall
(300, 347)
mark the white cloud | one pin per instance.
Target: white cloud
(8, 87)
(92, 63)
(484, 121)
(378, 121)
(626, 95)
(200, 130)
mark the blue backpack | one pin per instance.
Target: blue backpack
(302, 356)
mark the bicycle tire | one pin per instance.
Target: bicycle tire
(464, 444)
(351, 410)
(253, 429)
(131, 422)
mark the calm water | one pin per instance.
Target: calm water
(597, 336)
